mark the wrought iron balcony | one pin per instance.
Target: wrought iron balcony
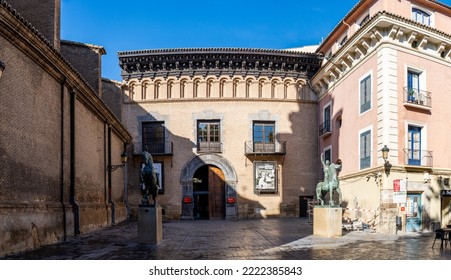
(417, 98)
(418, 157)
(163, 148)
(324, 129)
(209, 147)
(251, 147)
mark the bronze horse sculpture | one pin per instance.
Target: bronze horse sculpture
(330, 183)
(149, 180)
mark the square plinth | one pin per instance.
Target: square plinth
(150, 224)
(327, 221)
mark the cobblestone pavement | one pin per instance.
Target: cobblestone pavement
(265, 239)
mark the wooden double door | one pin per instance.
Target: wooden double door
(209, 193)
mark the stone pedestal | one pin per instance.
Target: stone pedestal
(150, 224)
(327, 221)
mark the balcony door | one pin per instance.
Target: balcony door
(414, 145)
(263, 137)
(413, 86)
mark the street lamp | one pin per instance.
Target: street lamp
(114, 167)
(387, 165)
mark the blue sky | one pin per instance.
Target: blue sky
(120, 25)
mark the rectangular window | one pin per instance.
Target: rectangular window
(153, 137)
(328, 154)
(325, 127)
(263, 137)
(365, 149)
(365, 94)
(208, 136)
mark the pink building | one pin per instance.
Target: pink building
(384, 83)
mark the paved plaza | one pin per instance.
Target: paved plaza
(262, 239)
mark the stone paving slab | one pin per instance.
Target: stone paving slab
(262, 239)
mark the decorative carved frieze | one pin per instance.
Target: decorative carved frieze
(218, 62)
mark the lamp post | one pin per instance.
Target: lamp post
(387, 165)
(112, 168)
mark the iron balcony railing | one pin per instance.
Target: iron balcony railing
(417, 97)
(418, 157)
(324, 129)
(209, 147)
(162, 148)
(251, 147)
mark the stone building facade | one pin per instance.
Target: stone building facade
(232, 130)
(384, 86)
(57, 137)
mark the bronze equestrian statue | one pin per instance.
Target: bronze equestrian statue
(330, 183)
(149, 180)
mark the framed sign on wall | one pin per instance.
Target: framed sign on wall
(265, 177)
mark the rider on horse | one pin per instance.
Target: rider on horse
(330, 183)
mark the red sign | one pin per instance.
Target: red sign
(403, 208)
(397, 185)
(230, 200)
(187, 200)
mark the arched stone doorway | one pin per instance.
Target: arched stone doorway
(208, 193)
(211, 162)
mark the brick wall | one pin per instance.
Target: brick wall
(112, 96)
(44, 15)
(39, 152)
(87, 60)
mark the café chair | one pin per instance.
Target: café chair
(440, 234)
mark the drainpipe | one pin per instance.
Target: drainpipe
(110, 200)
(75, 206)
(127, 207)
(62, 161)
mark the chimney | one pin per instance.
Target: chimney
(44, 15)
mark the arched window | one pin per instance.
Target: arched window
(209, 87)
(170, 86)
(132, 89)
(144, 90)
(421, 16)
(157, 90)
(182, 88)
(273, 88)
(235, 87)
(221, 88)
(196, 88)
(248, 88)
(343, 41)
(261, 83)
(364, 20)
(285, 89)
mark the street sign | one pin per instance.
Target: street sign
(399, 197)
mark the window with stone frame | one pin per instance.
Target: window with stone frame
(153, 137)
(208, 136)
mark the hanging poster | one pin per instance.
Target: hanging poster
(265, 177)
